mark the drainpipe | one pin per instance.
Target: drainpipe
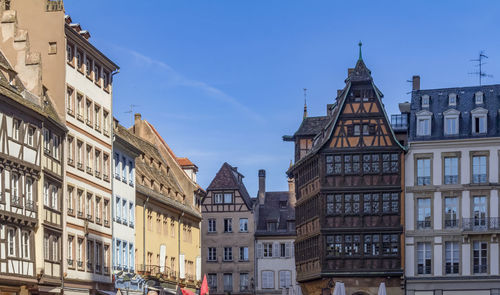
(179, 246)
(144, 233)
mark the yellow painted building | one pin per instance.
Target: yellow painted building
(168, 212)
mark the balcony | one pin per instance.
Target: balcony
(70, 211)
(97, 174)
(156, 270)
(399, 122)
(79, 165)
(97, 268)
(89, 266)
(79, 214)
(89, 170)
(117, 176)
(480, 268)
(15, 201)
(89, 122)
(70, 111)
(481, 224)
(79, 263)
(70, 161)
(124, 179)
(106, 222)
(451, 223)
(131, 182)
(479, 178)
(131, 224)
(105, 132)
(118, 220)
(105, 177)
(30, 205)
(97, 127)
(89, 217)
(423, 224)
(98, 220)
(79, 117)
(106, 269)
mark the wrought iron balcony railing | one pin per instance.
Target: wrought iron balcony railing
(480, 224)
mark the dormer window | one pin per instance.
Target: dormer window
(479, 97)
(479, 120)
(425, 101)
(452, 99)
(424, 121)
(271, 226)
(283, 204)
(451, 122)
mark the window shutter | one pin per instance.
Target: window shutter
(182, 271)
(276, 250)
(260, 251)
(287, 249)
(198, 268)
(292, 252)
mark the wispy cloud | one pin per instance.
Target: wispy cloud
(177, 79)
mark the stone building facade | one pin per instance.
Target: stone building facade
(228, 234)
(452, 205)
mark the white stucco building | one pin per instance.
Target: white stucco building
(452, 185)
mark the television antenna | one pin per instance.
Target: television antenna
(131, 112)
(480, 64)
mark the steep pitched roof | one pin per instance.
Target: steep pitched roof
(311, 126)
(360, 74)
(272, 211)
(228, 178)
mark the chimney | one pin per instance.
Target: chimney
(415, 83)
(291, 192)
(350, 71)
(262, 186)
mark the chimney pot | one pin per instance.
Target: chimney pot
(416, 82)
(137, 117)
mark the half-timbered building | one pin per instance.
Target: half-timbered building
(348, 186)
(228, 234)
(30, 187)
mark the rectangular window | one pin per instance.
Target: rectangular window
(15, 129)
(228, 198)
(228, 226)
(450, 212)
(357, 130)
(244, 282)
(228, 254)
(371, 245)
(268, 249)
(480, 257)
(424, 258)
(424, 127)
(423, 171)
(371, 203)
(212, 281)
(479, 212)
(285, 278)
(450, 170)
(243, 253)
(244, 225)
(283, 250)
(452, 258)
(371, 163)
(424, 213)
(11, 240)
(70, 250)
(55, 198)
(131, 172)
(390, 163)
(117, 166)
(228, 282)
(217, 198)
(267, 279)
(31, 133)
(55, 145)
(124, 169)
(212, 254)
(334, 164)
(212, 225)
(451, 126)
(479, 169)
(351, 164)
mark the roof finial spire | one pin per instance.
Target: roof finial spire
(305, 103)
(360, 44)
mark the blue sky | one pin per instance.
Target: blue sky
(222, 80)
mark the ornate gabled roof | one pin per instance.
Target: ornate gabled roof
(228, 178)
(360, 74)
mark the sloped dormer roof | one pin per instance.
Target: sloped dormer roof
(228, 178)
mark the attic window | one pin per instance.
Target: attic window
(271, 226)
(425, 101)
(283, 204)
(479, 97)
(452, 99)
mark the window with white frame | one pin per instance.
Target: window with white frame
(243, 253)
(228, 282)
(479, 169)
(212, 227)
(25, 245)
(268, 249)
(452, 99)
(118, 205)
(478, 97)
(450, 212)
(267, 279)
(424, 118)
(55, 198)
(244, 281)
(228, 225)
(244, 225)
(16, 124)
(479, 120)
(46, 196)
(212, 281)
(117, 166)
(124, 211)
(212, 254)
(15, 188)
(451, 122)
(131, 213)
(30, 136)
(11, 241)
(217, 198)
(228, 198)
(424, 259)
(480, 257)
(228, 254)
(425, 101)
(124, 169)
(131, 172)
(479, 212)
(285, 278)
(424, 171)
(29, 192)
(450, 170)
(452, 257)
(424, 217)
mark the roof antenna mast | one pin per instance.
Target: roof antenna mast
(131, 112)
(305, 103)
(480, 64)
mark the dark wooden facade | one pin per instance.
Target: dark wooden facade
(349, 195)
